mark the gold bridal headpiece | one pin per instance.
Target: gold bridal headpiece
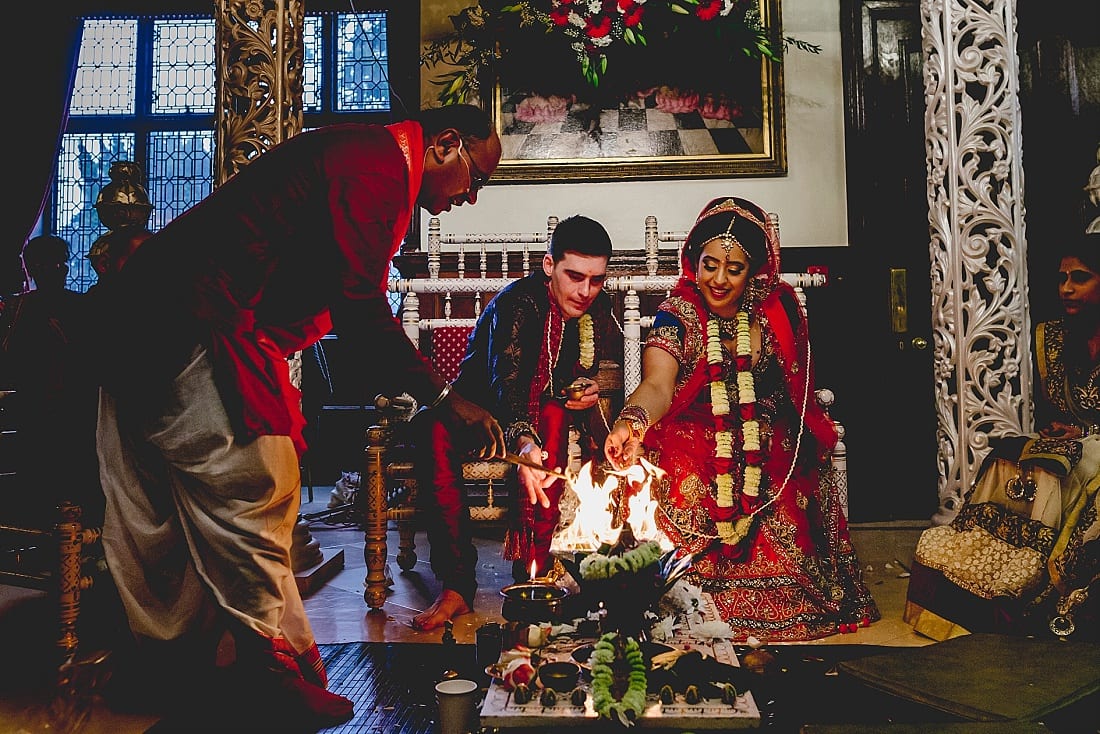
(728, 240)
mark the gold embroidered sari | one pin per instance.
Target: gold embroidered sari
(1024, 548)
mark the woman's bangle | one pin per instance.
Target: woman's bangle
(441, 396)
(637, 418)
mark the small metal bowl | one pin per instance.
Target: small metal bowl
(560, 675)
(576, 390)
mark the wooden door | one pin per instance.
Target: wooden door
(887, 399)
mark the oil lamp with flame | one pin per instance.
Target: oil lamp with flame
(537, 600)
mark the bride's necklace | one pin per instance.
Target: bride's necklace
(727, 328)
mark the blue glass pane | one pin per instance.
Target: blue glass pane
(362, 59)
(183, 66)
(104, 82)
(394, 298)
(181, 168)
(311, 71)
(82, 171)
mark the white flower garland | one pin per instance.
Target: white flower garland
(731, 532)
(587, 337)
(751, 437)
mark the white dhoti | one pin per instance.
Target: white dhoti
(196, 520)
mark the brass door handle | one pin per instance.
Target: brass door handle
(899, 301)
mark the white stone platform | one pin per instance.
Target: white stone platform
(501, 711)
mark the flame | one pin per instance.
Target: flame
(592, 524)
(534, 567)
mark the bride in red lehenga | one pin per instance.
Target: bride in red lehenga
(726, 409)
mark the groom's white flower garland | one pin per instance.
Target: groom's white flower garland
(587, 341)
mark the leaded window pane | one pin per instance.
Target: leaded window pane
(82, 172)
(362, 55)
(181, 175)
(106, 69)
(183, 66)
(311, 66)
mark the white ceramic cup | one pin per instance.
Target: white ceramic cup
(457, 699)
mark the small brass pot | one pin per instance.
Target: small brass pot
(576, 390)
(532, 602)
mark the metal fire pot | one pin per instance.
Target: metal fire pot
(532, 602)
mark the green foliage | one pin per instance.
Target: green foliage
(563, 47)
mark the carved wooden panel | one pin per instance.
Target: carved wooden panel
(259, 75)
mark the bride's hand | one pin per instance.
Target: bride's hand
(622, 448)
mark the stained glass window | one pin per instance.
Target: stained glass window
(145, 91)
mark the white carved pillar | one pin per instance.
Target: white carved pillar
(981, 327)
(632, 340)
(435, 247)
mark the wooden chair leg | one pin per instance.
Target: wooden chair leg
(406, 544)
(371, 499)
(72, 537)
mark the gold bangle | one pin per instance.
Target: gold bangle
(637, 418)
(635, 432)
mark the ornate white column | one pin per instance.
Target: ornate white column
(981, 326)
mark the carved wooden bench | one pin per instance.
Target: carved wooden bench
(443, 293)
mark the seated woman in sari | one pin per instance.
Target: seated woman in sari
(726, 409)
(1024, 549)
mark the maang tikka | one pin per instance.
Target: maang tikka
(729, 240)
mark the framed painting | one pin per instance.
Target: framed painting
(698, 110)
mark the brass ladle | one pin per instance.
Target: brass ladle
(520, 461)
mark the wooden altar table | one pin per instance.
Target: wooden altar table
(500, 710)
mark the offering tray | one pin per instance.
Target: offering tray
(500, 710)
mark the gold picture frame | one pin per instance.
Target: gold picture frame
(653, 145)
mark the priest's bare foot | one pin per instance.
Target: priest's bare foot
(448, 605)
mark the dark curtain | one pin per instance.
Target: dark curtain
(39, 83)
(1060, 109)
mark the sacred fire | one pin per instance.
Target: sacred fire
(606, 509)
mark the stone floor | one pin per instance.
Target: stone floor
(339, 614)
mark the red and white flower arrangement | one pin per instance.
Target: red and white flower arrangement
(594, 31)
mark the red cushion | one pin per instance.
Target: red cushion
(448, 349)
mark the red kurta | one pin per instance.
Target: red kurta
(297, 243)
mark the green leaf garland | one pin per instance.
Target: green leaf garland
(609, 649)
